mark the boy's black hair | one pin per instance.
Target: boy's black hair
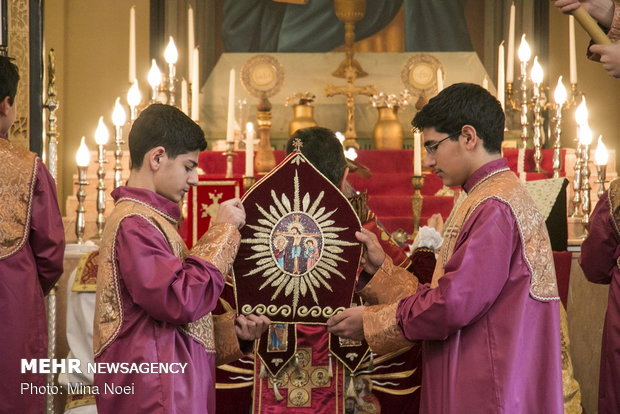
(323, 150)
(166, 126)
(9, 78)
(465, 104)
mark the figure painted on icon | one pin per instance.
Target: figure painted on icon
(311, 253)
(296, 243)
(278, 333)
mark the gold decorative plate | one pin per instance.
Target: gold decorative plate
(262, 76)
(419, 74)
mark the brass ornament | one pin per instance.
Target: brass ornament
(419, 75)
(262, 76)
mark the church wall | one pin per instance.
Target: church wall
(91, 39)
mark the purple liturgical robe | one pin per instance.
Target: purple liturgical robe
(159, 293)
(489, 347)
(600, 261)
(25, 277)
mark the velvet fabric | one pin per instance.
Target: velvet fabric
(600, 261)
(25, 278)
(159, 293)
(489, 346)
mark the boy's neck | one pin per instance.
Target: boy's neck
(141, 179)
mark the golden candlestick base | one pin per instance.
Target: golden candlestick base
(265, 159)
(80, 221)
(248, 182)
(416, 202)
(229, 154)
(349, 12)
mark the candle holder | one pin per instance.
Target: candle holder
(586, 206)
(416, 201)
(601, 172)
(265, 158)
(576, 201)
(51, 104)
(557, 133)
(229, 154)
(538, 131)
(248, 182)
(524, 105)
(171, 92)
(80, 221)
(100, 191)
(118, 156)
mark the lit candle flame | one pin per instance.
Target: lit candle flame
(537, 72)
(101, 134)
(171, 55)
(350, 153)
(82, 157)
(340, 137)
(585, 134)
(154, 76)
(560, 94)
(119, 116)
(134, 97)
(601, 155)
(524, 51)
(581, 113)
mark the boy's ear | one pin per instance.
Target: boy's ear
(5, 105)
(470, 135)
(154, 157)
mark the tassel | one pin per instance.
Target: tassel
(276, 392)
(330, 370)
(350, 393)
(371, 363)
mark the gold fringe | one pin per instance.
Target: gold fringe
(236, 370)
(276, 392)
(220, 386)
(330, 369)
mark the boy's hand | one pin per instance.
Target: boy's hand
(231, 211)
(374, 255)
(348, 324)
(251, 327)
(609, 57)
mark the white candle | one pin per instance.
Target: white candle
(132, 44)
(510, 65)
(601, 156)
(230, 130)
(417, 154)
(250, 134)
(500, 75)
(195, 79)
(439, 80)
(184, 97)
(572, 59)
(190, 40)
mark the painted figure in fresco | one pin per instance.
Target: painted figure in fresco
(277, 337)
(280, 250)
(296, 249)
(311, 253)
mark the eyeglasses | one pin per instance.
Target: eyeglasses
(431, 146)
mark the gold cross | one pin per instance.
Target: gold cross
(297, 144)
(350, 91)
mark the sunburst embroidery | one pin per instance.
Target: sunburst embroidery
(297, 247)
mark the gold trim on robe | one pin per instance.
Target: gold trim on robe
(86, 273)
(381, 329)
(108, 308)
(18, 169)
(614, 201)
(390, 283)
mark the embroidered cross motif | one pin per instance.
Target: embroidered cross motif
(297, 144)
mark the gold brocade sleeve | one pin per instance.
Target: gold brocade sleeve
(227, 348)
(219, 246)
(390, 284)
(381, 329)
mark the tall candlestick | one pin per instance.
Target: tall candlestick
(572, 51)
(132, 44)
(510, 65)
(500, 76)
(559, 95)
(101, 137)
(417, 154)
(230, 129)
(250, 134)
(82, 159)
(524, 56)
(119, 118)
(184, 97)
(190, 39)
(195, 80)
(586, 139)
(601, 157)
(538, 138)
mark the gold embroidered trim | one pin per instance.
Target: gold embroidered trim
(614, 198)
(108, 309)
(390, 284)
(221, 386)
(219, 246)
(537, 253)
(18, 169)
(286, 310)
(79, 400)
(381, 329)
(228, 348)
(148, 206)
(86, 273)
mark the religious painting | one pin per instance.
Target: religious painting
(299, 257)
(346, 342)
(278, 337)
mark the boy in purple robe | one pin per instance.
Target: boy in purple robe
(489, 321)
(32, 243)
(600, 261)
(154, 297)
